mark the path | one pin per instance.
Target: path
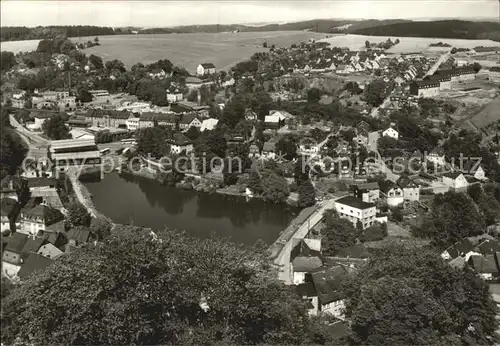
(438, 63)
(285, 241)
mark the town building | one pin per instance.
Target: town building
(33, 263)
(269, 150)
(180, 143)
(209, 124)
(190, 107)
(107, 118)
(390, 132)
(355, 210)
(308, 146)
(328, 285)
(455, 180)
(425, 88)
(437, 156)
(189, 120)
(367, 192)
(457, 74)
(411, 190)
(494, 73)
(99, 94)
(305, 258)
(40, 219)
(392, 193)
(132, 123)
(66, 153)
(12, 254)
(174, 95)
(205, 69)
(149, 119)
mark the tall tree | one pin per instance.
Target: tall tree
(140, 287)
(425, 301)
(274, 187)
(55, 127)
(307, 194)
(337, 234)
(287, 147)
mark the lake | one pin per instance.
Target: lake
(146, 203)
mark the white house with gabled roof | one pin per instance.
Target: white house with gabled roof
(390, 132)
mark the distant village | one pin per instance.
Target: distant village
(342, 112)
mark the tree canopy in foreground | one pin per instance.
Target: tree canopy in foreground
(407, 295)
(166, 288)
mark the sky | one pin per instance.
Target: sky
(174, 13)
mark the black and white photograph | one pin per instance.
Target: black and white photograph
(322, 172)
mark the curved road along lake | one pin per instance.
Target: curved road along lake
(147, 203)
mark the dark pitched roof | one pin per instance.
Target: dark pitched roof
(387, 185)
(208, 65)
(188, 118)
(32, 245)
(34, 263)
(306, 290)
(47, 214)
(488, 247)
(460, 247)
(452, 175)
(427, 83)
(355, 202)
(367, 186)
(303, 250)
(56, 238)
(484, 264)
(405, 181)
(328, 284)
(80, 234)
(306, 264)
(16, 242)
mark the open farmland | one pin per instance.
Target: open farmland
(488, 115)
(406, 45)
(187, 50)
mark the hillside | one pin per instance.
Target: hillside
(20, 33)
(392, 27)
(441, 29)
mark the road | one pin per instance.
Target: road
(32, 139)
(438, 63)
(283, 258)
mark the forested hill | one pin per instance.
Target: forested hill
(19, 33)
(392, 27)
(442, 29)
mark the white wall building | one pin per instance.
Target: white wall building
(390, 132)
(356, 210)
(205, 69)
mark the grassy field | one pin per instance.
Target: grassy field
(488, 115)
(187, 50)
(406, 45)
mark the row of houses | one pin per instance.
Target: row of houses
(481, 253)
(441, 80)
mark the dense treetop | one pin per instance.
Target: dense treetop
(166, 288)
(407, 295)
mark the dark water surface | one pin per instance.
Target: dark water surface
(147, 203)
